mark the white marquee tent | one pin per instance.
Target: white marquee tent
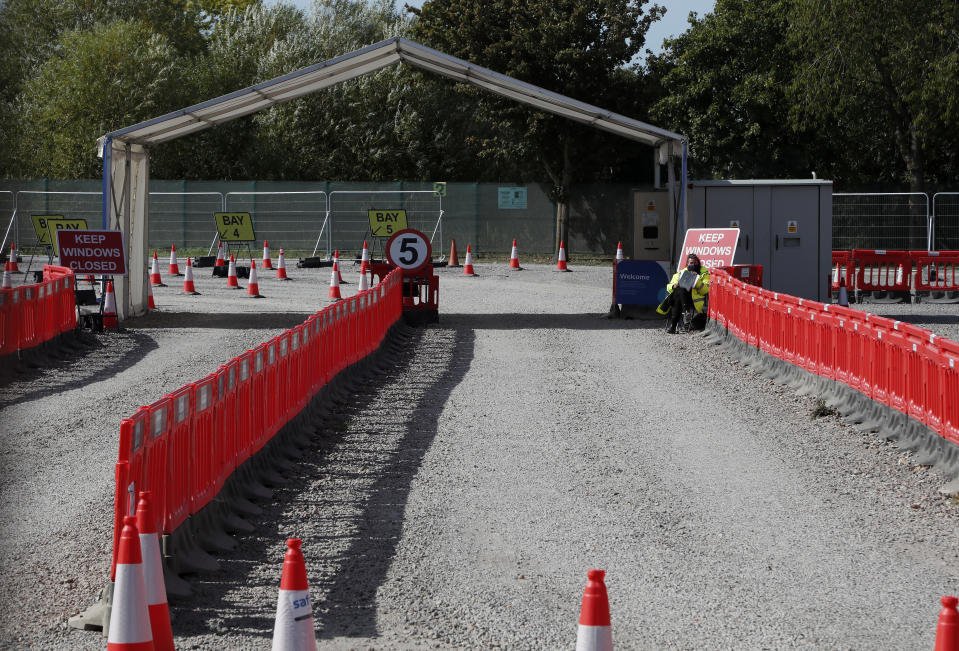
(126, 169)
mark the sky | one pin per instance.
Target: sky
(673, 23)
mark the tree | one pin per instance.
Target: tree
(886, 71)
(568, 46)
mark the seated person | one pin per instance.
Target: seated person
(689, 302)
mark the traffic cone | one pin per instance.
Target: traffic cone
(365, 260)
(7, 278)
(174, 269)
(14, 267)
(110, 308)
(454, 259)
(155, 279)
(267, 263)
(253, 287)
(188, 287)
(514, 258)
(335, 282)
(619, 250)
(153, 575)
(336, 265)
(219, 256)
(364, 283)
(91, 280)
(595, 632)
(947, 632)
(130, 616)
(231, 280)
(281, 267)
(293, 630)
(151, 304)
(468, 266)
(843, 293)
(561, 258)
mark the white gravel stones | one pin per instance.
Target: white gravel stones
(459, 498)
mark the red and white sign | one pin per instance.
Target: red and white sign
(716, 247)
(409, 249)
(93, 252)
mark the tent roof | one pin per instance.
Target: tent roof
(369, 59)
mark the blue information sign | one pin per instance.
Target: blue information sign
(511, 198)
(640, 282)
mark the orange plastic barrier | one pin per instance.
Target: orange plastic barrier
(935, 270)
(879, 270)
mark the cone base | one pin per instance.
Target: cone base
(563, 270)
(235, 287)
(256, 295)
(284, 279)
(193, 293)
(158, 284)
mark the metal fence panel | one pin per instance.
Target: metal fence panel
(289, 220)
(71, 205)
(898, 221)
(945, 210)
(183, 218)
(7, 206)
(350, 223)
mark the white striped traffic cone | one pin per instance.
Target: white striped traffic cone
(293, 630)
(219, 255)
(364, 283)
(468, 265)
(561, 258)
(7, 278)
(514, 258)
(252, 286)
(267, 263)
(14, 267)
(595, 632)
(153, 575)
(155, 279)
(188, 286)
(335, 282)
(174, 269)
(110, 308)
(365, 260)
(336, 263)
(151, 303)
(281, 267)
(619, 250)
(231, 280)
(130, 616)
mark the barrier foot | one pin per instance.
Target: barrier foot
(238, 503)
(177, 588)
(185, 553)
(951, 488)
(210, 534)
(97, 616)
(232, 523)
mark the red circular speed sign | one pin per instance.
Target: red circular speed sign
(409, 250)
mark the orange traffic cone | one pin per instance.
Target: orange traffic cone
(14, 267)
(174, 269)
(231, 280)
(219, 256)
(595, 632)
(155, 279)
(151, 304)
(561, 258)
(7, 278)
(188, 286)
(293, 629)
(281, 267)
(843, 293)
(468, 266)
(454, 259)
(153, 575)
(514, 258)
(364, 283)
(110, 308)
(365, 260)
(252, 286)
(947, 632)
(335, 282)
(619, 250)
(130, 617)
(267, 263)
(336, 265)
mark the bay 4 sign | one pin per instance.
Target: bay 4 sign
(93, 252)
(716, 247)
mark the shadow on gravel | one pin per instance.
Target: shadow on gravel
(508, 321)
(220, 320)
(92, 358)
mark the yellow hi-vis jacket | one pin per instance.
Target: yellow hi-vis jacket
(699, 291)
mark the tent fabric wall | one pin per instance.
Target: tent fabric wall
(126, 208)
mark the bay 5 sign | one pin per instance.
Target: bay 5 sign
(716, 247)
(409, 250)
(96, 252)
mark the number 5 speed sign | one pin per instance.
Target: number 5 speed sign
(409, 250)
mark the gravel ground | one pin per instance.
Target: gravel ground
(458, 498)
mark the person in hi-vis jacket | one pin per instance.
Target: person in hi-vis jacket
(691, 301)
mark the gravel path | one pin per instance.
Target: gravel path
(458, 498)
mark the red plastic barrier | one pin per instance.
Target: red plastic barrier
(842, 269)
(130, 471)
(879, 270)
(244, 408)
(180, 458)
(9, 323)
(949, 361)
(203, 460)
(935, 270)
(751, 274)
(225, 437)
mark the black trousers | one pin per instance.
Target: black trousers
(682, 301)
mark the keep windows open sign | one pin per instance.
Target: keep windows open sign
(93, 252)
